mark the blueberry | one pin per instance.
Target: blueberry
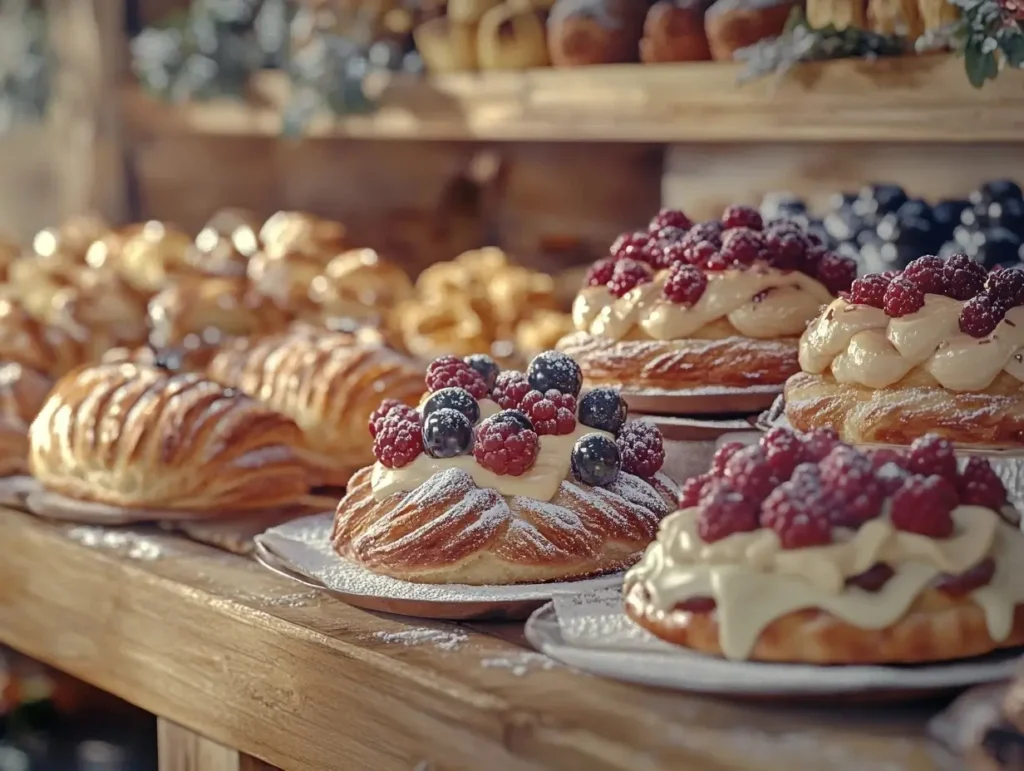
(595, 460)
(996, 190)
(843, 225)
(1007, 214)
(975, 216)
(512, 416)
(998, 247)
(458, 399)
(915, 208)
(946, 215)
(780, 205)
(877, 200)
(603, 409)
(554, 370)
(838, 202)
(485, 366)
(948, 249)
(447, 433)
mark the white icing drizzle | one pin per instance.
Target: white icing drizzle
(861, 344)
(754, 581)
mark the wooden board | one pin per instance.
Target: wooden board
(907, 99)
(214, 644)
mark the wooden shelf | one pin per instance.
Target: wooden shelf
(911, 99)
(214, 644)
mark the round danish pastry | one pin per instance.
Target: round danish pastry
(504, 478)
(713, 305)
(804, 549)
(938, 347)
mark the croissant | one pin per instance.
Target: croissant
(137, 437)
(327, 385)
(35, 345)
(22, 393)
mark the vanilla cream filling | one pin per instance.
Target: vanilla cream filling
(540, 482)
(760, 302)
(754, 581)
(861, 344)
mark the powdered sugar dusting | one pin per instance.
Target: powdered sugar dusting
(442, 639)
(305, 545)
(521, 663)
(132, 545)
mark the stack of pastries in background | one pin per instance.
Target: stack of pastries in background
(282, 323)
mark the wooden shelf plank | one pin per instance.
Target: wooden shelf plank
(214, 644)
(910, 99)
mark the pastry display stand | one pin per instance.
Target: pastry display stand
(247, 671)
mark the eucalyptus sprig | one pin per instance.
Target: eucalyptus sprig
(990, 37)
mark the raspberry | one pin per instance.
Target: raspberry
(902, 298)
(870, 290)
(669, 235)
(693, 490)
(835, 272)
(722, 455)
(976, 577)
(452, 372)
(979, 485)
(784, 451)
(742, 217)
(669, 218)
(890, 468)
(1006, 287)
(705, 231)
(927, 274)
(787, 227)
(750, 474)
(685, 284)
(724, 511)
(812, 256)
(931, 454)
(785, 248)
(504, 446)
(922, 505)
(717, 261)
(510, 388)
(699, 253)
(600, 273)
(848, 477)
(641, 448)
(741, 246)
(670, 253)
(798, 513)
(627, 274)
(980, 316)
(552, 412)
(964, 277)
(632, 245)
(378, 415)
(818, 443)
(398, 439)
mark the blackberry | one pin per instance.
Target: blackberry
(458, 399)
(603, 409)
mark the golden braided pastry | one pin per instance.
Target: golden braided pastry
(448, 530)
(908, 409)
(936, 627)
(38, 346)
(679, 365)
(22, 393)
(137, 437)
(328, 385)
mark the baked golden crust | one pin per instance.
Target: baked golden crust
(451, 531)
(908, 409)
(327, 384)
(35, 345)
(936, 627)
(22, 393)
(680, 365)
(135, 436)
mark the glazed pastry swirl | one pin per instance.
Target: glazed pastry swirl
(755, 582)
(131, 435)
(860, 344)
(758, 302)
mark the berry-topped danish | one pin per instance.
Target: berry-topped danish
(718, 304)
(503, 478)
(938, 347)
(804, 549)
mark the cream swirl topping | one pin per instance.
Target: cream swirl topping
(759, 302)
(861, 344)
(541, 481)
(754, 581)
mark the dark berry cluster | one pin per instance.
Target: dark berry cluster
(740, 239)
(544, 400)
(987, 296)
(805, 486)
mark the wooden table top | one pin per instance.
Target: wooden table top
(214, 642)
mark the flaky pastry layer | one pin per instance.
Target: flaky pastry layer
(731, 362)
(135, 436)
(914, 406)
(22, 393)
(448, 530)
(936, 627)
